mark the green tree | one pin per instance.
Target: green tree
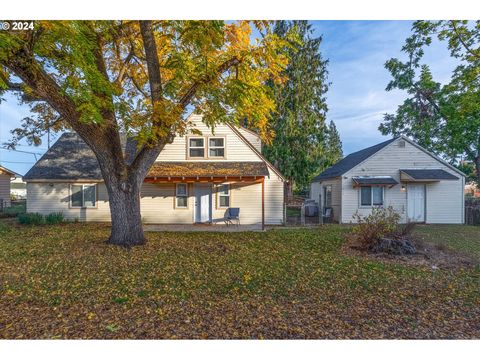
(443, 118)
(299, 146)
(104, 78)
(334, 147)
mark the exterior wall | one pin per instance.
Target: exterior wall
(236, 149)
(316, 189)
(158, 203)
(5, 189)
(444, 199)
(252, 138)
(274, 199)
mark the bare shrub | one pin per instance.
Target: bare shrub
(382, 222)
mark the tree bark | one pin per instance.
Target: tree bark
(124, 201)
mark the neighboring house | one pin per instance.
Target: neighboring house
(398, 173)
(18, 188)
(194, 180)
(5, 177)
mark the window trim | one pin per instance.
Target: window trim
(83, 185)
(204, 147)
(371, 197)
(229, 187)
(177, 196)
(224, 147)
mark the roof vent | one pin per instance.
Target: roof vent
(401, 143)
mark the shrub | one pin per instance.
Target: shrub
(14, 210)
(31, 219)
(370, 229)
(54, 218)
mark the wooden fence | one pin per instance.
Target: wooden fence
(472, 211)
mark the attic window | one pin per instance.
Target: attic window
(401, 143)
(196, 147)
(216, 147)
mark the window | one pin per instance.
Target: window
(216, 147)
(224, 196)
(196, 147)
(83, 196)
(181, 195)
(371, 195)
(327, 196)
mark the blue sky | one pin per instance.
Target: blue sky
(357, 51)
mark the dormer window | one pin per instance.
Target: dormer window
(196, 147)
(216, 147)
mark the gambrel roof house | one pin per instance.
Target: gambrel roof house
(195, 179)
(398, 173)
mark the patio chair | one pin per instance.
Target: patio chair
(327, 215)
(232, 215)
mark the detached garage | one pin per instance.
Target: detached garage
(398, 173)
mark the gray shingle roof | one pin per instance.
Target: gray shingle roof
(350, 161)
(429, 174)
(70, 158)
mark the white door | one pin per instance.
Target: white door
(203, 203)
(416, 203)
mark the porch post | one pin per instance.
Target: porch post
(263, 203)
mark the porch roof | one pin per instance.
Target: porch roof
(374, 180)
(425, 175)
(208, 169)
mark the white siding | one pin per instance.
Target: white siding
(236, 149)
(274, 199)
(316, 189)
(252, 138)
(5, 189)
(158, 203)
(444, 199)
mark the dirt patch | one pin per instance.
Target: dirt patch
(429, 255)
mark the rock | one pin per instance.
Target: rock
(394, 246)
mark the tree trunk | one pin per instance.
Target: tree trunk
(477, 169)
(289, 186)
(124, 201)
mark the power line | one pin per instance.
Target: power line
(22, 151)
(17, 162)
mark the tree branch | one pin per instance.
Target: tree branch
(459, 37)
(153, 64)
(187, 97)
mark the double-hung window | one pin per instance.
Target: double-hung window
(181, 194)
(371, 196)
(216, 147)
(83, 196)
(196, 147)
(223, 196)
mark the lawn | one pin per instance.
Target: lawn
(63, 281)
(462, 238)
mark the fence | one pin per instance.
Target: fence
(472, 211)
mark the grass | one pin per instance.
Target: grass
(63, 281)
(461, 238)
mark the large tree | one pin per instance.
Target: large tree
(299, 147)
(104, 78)
(443, 118)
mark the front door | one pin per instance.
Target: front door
(416, 203)
(203, 203)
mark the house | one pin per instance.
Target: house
(398, 173)
(5, 177)
(18, 188)
(195, 179)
